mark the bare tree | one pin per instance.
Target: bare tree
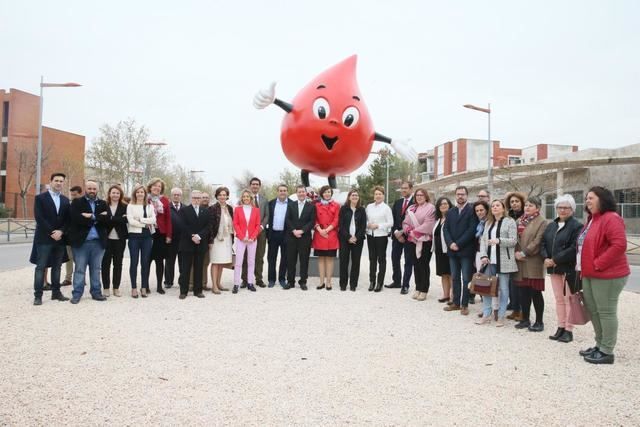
(121, 154)
(27, 164)
(74, 170)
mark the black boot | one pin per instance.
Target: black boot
(523, 324)
(372, 285)
(160, 290)
(567, 336)
(378, 287)
(557, 335)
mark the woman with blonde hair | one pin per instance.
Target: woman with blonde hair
(141, 218)
(497, 254)
(246, 225)
(164, 229)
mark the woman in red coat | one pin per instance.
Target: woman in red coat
(164, 229)
(246, 226)
(604, 269)
(325, 239)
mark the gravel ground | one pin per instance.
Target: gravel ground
(292, 358)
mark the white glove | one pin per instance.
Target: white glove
(265, 97)
(402, 147)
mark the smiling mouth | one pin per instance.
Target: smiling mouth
(329, 142)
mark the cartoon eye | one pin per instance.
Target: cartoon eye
(321, 108)
(350, 117)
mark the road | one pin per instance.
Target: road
(16, 256)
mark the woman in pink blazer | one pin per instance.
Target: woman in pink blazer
(246, 224)
(418, 227)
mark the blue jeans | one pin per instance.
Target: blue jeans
(461, 266)
(140, 247)
(48, 252)
(396, 254)
(503, 293)
(89, 254)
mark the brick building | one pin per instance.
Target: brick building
(464, 155)
(62, 152)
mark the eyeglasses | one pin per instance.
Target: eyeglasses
(563, 208)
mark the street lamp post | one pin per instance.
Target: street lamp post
(489, 144)
(39, 155)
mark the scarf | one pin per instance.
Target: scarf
(157, 204)
(480, 228)
(224, 229)
(420, 237)
(524, 220)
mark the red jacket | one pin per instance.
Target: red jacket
(603, 250)
(327, 215)
(240, 223)
(163, 220)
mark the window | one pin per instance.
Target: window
(3, 159)
(515, 160)
(629, 202)
(454, 163)
(440, 164)
(5, 118)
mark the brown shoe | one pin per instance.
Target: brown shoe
(464, 311)
(513, 315)
(215, 291)
(66, 282)
(452, 308)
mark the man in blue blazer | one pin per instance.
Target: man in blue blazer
(459, 235)
(277, 236)
(51, 211)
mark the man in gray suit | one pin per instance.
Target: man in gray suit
(261, 202)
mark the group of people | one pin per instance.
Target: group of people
(508, 238)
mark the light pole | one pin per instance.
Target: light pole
(39, 156)
(489, 144)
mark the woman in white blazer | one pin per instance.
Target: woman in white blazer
(141, 219)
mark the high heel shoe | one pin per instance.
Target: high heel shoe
(329, 287)
(320, 287)
(215, 290)
(444, 299)
(143, 292)
(134, 293)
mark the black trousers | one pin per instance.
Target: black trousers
(192, 261)
(114, 252)
(277, 240)
(421, 269)
(377, 247)
(527, 295)
(298, 249)
(158, 254)
(353, 252)
(170, 263)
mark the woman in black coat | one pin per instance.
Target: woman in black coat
(116, 240)
(558, 248)
(351, 234)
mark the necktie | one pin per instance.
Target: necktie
(255, 202)
(404, 206)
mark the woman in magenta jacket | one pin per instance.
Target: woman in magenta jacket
(246, 226)
(604, 268)
(325, 239)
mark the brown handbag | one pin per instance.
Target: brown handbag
(484, 285)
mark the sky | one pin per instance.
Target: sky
(556, 72)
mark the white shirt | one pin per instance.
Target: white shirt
(113, 235)
(56, 200)
(493, 249)
(352, 225)
(381, 215)
(300, 207)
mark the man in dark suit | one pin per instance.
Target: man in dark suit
(172, 252)
(276, 236)
(51, 211)
(194, 242)
(299, 221)
(263, 204)
(398, 240)
(459, 235)
(87, 236)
